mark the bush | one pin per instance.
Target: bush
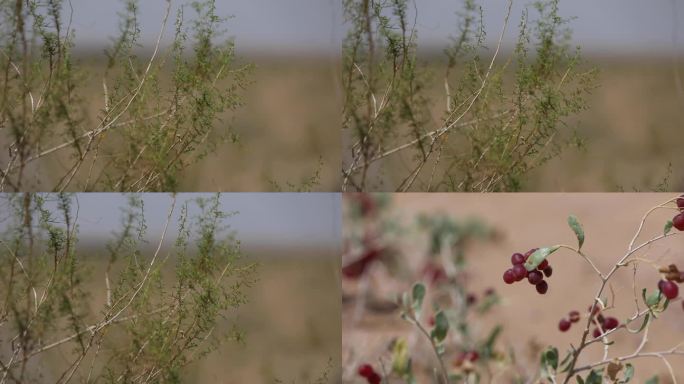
(138, 316)
(501, 117)
(157, 115)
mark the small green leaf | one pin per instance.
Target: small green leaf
(538, 256)
(629, 373)
(595, 377)
(668, 227)
(549, 362)
(417, 296)
(652, 380)
(645, 323)
(653, 299)
(441, 328)
(577, 228)
(580, 380)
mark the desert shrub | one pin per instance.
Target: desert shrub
(140, 313)
(443, 315)
(158, 110)
(501, 117)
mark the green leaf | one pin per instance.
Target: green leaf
(653, 298)
(538, 256)
(417, 296)
(595, 377)
(668, 227)
(580, 380)
(652, 380)
(577, 228)
(441, 327)
(549, 362)
(629, 373)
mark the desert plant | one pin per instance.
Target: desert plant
(149, 312)
(501, 117)
(598, 326)
(157, 115)
(441, 307)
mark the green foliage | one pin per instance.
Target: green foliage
(502, 117)
(162, 309)
(158, 113)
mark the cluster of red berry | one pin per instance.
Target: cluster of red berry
(565, 323)
(366, 371)
(678, 220)
(535, 277)
(607, 323)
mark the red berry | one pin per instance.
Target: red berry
(520, 272)
(374, 379)
(596, 333)
(680, 202)
(542, 266)
(574, 316)
(610, 323)
(530, 252)
(509, 276)
(517, 258)
(471, 299)
(535, 277)
(597, 309)
(669, 289)
(564, 325)
(542, 287)
(366, 370)
(548, 271)
(472, 356)
(678, 221)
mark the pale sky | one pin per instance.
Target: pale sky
(264, 219)
(316, 26)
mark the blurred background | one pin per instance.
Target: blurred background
(291, 322)
(520, 222)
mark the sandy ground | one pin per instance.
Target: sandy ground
(526, 221)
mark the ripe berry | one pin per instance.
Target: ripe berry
(366, 370)
(678, 221)
(542, 266)
(374, 379)
(517, 258)
(669, 289)
(680, 202)
(596, 333)
(531, 251)
(471, 356)
(574, 316)
(548, 271)
(535, 277)
(610, 323)
(542, 287)
(509, 276)
(564, 325)
(471, 299)
(519, 271)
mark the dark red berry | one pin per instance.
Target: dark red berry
(530, 252)
(610, 323)
(542, 287)
(678, 221)
(680, 202)
(509, 276)
(517, 258)
(596, 333)
(574, 316)
(471, 356)
(535, 277)
(366, 370)
(564, 325)
(548, 271)
(669, 289)
(471, 299)
(520, 272)
(597, 309)
(374, 379)
(542, 266)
